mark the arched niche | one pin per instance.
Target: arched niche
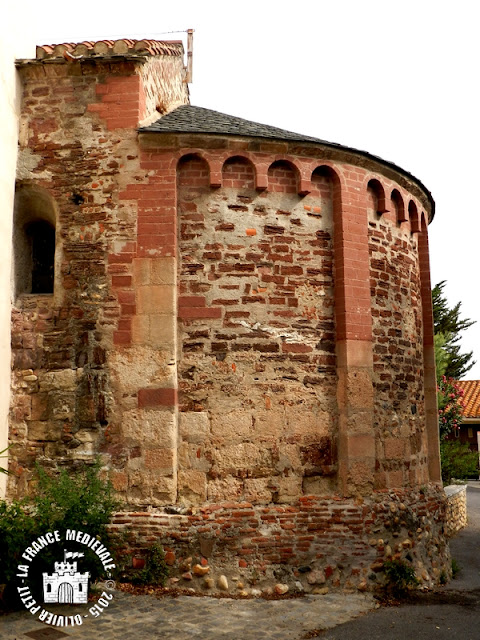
(376, 194)
(324, 174)
(321, 183)
(399, 206)
(34, 241)
(413, 217)
(283, 177)
(423, 222)
(321, 193)
(193, 171)
(238, 173)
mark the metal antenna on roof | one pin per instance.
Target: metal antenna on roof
(189, 55)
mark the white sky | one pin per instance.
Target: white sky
(397, 79)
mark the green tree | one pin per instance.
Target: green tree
(448, 326)
(458, 461)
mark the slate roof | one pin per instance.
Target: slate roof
(190, 119)
(471, 398)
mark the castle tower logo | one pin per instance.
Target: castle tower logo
(66, 584)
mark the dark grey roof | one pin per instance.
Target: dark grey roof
(189, 119)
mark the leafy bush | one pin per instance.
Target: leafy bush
(458, 461)
(450, 406)
(17, 529)
(155, 571)
(400, 577)
(83, 500)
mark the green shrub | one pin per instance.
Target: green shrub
(458, 461)
(81, 500)
(400, 577)
(155, 571)
(17, 529)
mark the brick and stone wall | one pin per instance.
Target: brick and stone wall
(398, 373)
(240, 327)
(313, 544)
(456, 511)
(78, 154)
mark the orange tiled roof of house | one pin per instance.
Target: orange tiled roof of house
(471, 398)
(103, 48)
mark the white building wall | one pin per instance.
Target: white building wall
(15, 42)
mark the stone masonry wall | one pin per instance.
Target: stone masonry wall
(258, 403)
(456, 512)
(164, 86)
(78, 151)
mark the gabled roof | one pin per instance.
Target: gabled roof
(471, 398)
(189, 119)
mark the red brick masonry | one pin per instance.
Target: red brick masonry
(316, 541)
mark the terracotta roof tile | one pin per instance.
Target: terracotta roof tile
(102, 48)
(471, 397)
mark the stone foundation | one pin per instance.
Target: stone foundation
(313, 545)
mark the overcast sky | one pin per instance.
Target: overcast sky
(397, 79)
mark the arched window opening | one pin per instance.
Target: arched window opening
(41, 237)
(34, 241)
